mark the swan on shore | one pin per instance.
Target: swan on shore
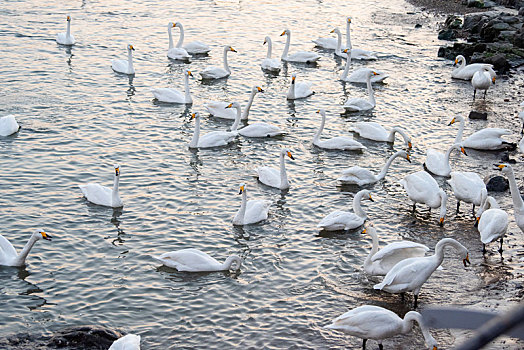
(194, 260)
(345, 220)
(66, 38)
(466, 72)
(482, 80)
(492, 223)
(485, 139)
(8, 254)
(276, 178)
(102, 195)
(468, 187)
(357, 175)
(422, 188)
(518, 203)
(252, 211)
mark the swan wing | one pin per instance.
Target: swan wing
(121, 66)
(191, 260)
(271, 64)
(8, 125)
(357, 175)
(360, 54)
(169, 95)
(97, 194)
(197, 47)
(303, 56)
(357, 105)
(394, 252)
(467, 72)
(260, 129)
(421, 187)
(340, 142)
(214, 73)
(127, 342)
(256, 210)
(7, 251)
(218, 109)
(407, 274)
(62, 39)
(488, 138)
(216, 139)
(359, 76)
(269, 176)
(493, 224)
(178, 53)
(327, 43)
(339, 220)
(466, 186)
(368, 322)
(370, 130)
(303, 89)
(436, 162)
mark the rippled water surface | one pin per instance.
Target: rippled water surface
(78, 118)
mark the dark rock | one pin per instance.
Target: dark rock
(85, 337)
(475, 3)
(453, 22)
(478, 115)
(506, 159)
(500, 26)
(497, 184)
(447, 34)
(488, 4)
(510, 19)
(518, 39)
(418, 25)
(521, 11)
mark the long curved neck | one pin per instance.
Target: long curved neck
(348, 38)
(114, 194)
(291, 92)
(237, 118)
(448, 153)
(462, 62)
(346, 69)
(226, 66)
(460, 131)
(68, 31)
(374, 247)
(186, 88)
(515, 193)
(357, 208)
(181, 38)
(170, 37)
(130, 60)
(385, 169)
(20, 260)
(229, 261)
(319, 131)
(248, 106)
(286, 48)
(339, 42)
(370, 91)
(269, 48)
(439, 248)
(391, 137)
(196, 134)
(242, 211)
(283, 174)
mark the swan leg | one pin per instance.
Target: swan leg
(458, 207)
(381, 347)
(474, 93)
(485, 91)
(414, 206)
(416, 301)
(473, 209)
(364, 344)
(483, 248)
(501, 240)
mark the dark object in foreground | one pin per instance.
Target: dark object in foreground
(497, 184)
(478, 115)
(85, 337)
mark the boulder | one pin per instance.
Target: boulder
(478, 115)
(447, 34)
(84, 337)
(497, 184)
(518, 38)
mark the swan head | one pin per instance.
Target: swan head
(266, 40)
(505, 168)
(465, 260)
(364, 194)
(178, 25)
(285, 32)
(130, 47)
(256, 89)
(458, 118)
(443, 200)
(346, 50)
(41, 234)
(458, 59)
(188, 73)
(322, 112)
(117, 170)
(335, 31)
(68, 18)
(229, 48)
(233, 105)
(171, 25)
(287, 152)
(234, 262)
(293, 78)
(348, 19)
(405, 155)
(242, 188)
(369, 229)
(372, 73)
(196, 115)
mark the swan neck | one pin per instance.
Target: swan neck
(283, 174)
(130, 60)
(385, 169)
(443, 200)
(319, 131)
(291, 92)
(339, 43)
(286, 48)
(348, 38)
(374, 247)
(170, 37)
(237, 118)
(391, 137)
(114, 195)
(248, 106)
(188, 98)
(226, 66)
(439, 249)
(68, 31)
(458, 139)
(181, 37)
(370, 91)
(20, 260)
(230, 261)
(448, 153)
(269, 48)
(515, 193)
(196, 134)
(346, 69)
(242, 211)
(357, 208)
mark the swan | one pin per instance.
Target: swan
(468, 187)
(170, 95)
(482, 81)
(298, 90)
(268, 63)
(331, 43)
(194, 47)
(359, 176)
(127, 342)
(176, 53)
(492, 223)
(338, 50)
(102, 195)
(194, 260)
(438, 163)
(518, 203)
(8, 255)
(212, 139)
(360, 75)
(251, 211)
(345, 220)
(485, 139)
(217, 72)
(274, 178)
(218, 108)
(377, 323)
(466, 72)
(259, 129)
(376, 132)
(66, 38)
(125, 66)
(378, 263)
(422, 188)
(8, 125)
(357, 54)
(301, 56)
(410, 274)
(361, 104)
(339, 142)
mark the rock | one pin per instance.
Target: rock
(506, 159)
(478, 115)
(518, 38)
(510, 19)
(500, 26)
(84, 337)
(497, 184)
(521, 11)
(475, 3)
(418, 25)
(447, 34)
(488, 4)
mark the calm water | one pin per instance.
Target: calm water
(78, 118)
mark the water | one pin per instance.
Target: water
(78, 118)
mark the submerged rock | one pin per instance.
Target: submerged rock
(85, 337)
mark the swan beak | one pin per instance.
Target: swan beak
(229, 105)
(364, 231)
(174, 25)
(193, 115)
(493, 80)
(260, 89)
(371, 198)
(131, 47)
(434, 348)
(349, 20)
(463, 151)
(265, 42)
(290, 155)
(241, 189)
(456, 61)
(283, 33)
(332, 31)
(408, 158)
(46, 236)
(410, 146)
(293, 79)
(232, 49)
(318, 111)
(117, 171)
(466, 261)
(345, 51)
(375, 73)
(477, 221)
(452, 122)
(500, 166)
(189, 73)
(68, 18)
(441, 222)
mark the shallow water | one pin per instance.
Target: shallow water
(78, 118)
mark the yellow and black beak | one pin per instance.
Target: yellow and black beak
(375, 73)
(493, 79)
(349, 20)
(408, 158)
(229, 105)
(435, 348)
(241, 189)
(68, 18)
(441, 221)
(293, 79)
(45, 236)
(371, 198)
(466, 261)
(283, 33)
(265, 42)
(117, 171)
(189, 73)
(410, 146)
(193, 115)
(260, 89)
(332, 31)
(131, 47)
(174, 25)
(345, 51)
(456, 61)
(364, 231)
(232, 49)
(290, 155)
(452, 122)
(463, 151)
(477, 219)
(500, 166)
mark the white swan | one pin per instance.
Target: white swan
(468, 187)
(422, 188)
(438, 163)
(194, 260)
(338, 50)
(298, 90)
(217, 72)
(339, 142)
(251, 211)
(102, 195)
(268, 63)
(218, 108)
(170, 95)
(212, 139)
(66, 38)
(8, 254)
(518, 203)
(125, 66)
(492, 223)
(331, 43)
(357, 54)
(485, 139)
(345, 220)
(378, 263)
(465, 72)
(360, 75)
(194, 47)
(376, 132)
(127, 342)
(359, 176)
(273, 177)
(361, 104)
(8, 125)
(410, 274)
(482, 80)
(259, 129)
(377, 323)
(176, 52)
(300, 56)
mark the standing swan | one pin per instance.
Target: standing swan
(438, 163)
(361, 104)
(8, 125)
(259, 129)
(298, 90)
(217, 72)
(468, 187)
(422, 188)
(376, 132)
(492, 223)
(194, 260)
(410, 274)
(466, 72)
(194, 47)
(102, 195)
(66, 38)
(359, 176)
(274, 178)
(270, 64)
(485, 139)
(212, 139)
(170, 95)
(360, 75)
(127, 342)
(176, 53)
(377, 323)
(339, 142)
(482, 81)
(125, 66)
(345, 220)
(518, 203)
(218, 108)
(8, 254)
(251, 211)
(300, 56)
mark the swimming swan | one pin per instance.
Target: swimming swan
(492, 223)
(338, 50)
(217, 72)
(468, 187)
(345, 220)
(194, 260)
(212, 139)
(298, 90)
(259, 129)
(518, 203)
(273, 177)
(339, 142)
(360, 75)
(270, 64)
(194, 47)
(102, 195)
(8, 254)
(359, 176)
(127, 342)
(410, 274)
(218, 108)
(300, 56)
(485, 139)
(438, 163)
(482, 80)
(357, 54)
(170, 95)
(331, 43)
(361, 104)
(125, 66)
(251, 211)
(66, 38)
(376, 132)
(8, 125)
(176, 52)
(465, 72)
